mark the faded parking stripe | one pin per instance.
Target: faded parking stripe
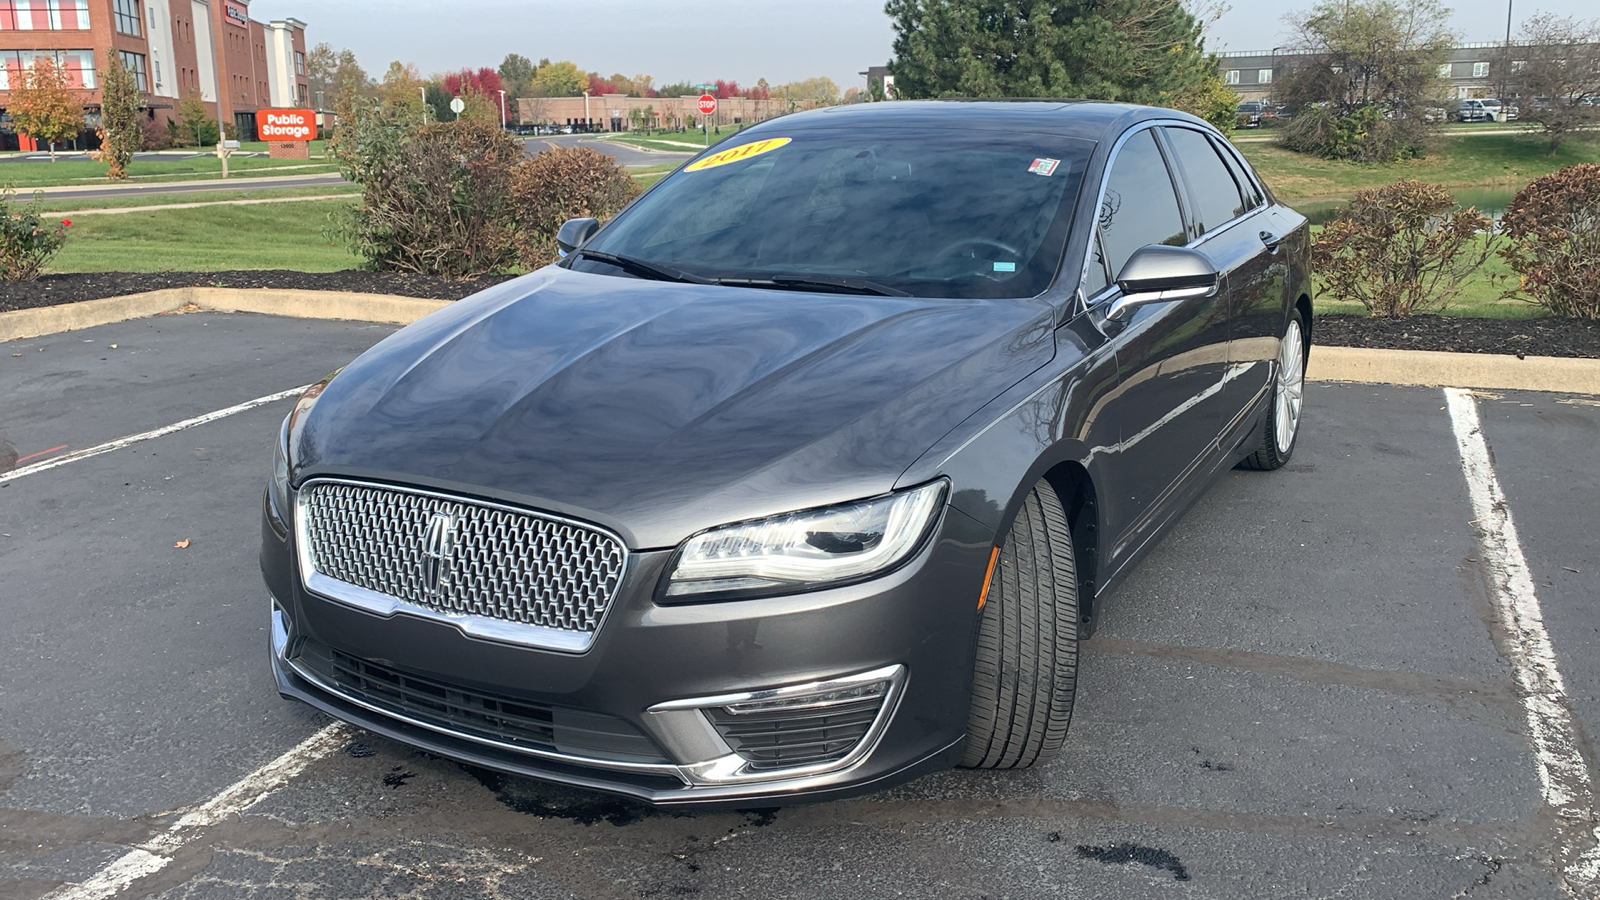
(129, 441)
(155, 854)
(1563, 774)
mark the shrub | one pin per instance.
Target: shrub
(1363, 134)
(562, 184)
(1401, 249)
(155, 134)
(1554, 227)
(438, 202)
(26, 241)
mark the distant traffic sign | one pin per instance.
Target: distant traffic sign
(707, 104)
(457, 105)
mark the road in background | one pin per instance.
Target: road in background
(632, 157)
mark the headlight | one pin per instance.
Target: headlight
(805, 550)
(278, 487)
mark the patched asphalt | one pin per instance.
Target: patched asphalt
(1300, 691)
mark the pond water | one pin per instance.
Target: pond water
(1490, 201)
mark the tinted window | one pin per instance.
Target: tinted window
(1252, 194)
(1140, 206)
(932, 213)
(1215, 195)
(1095, 276)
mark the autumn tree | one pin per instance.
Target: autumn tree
(559, 79)
(1139, 51)
(1365, 73)
(334, 75)
(516, 74)
(1554, 70)
(195, 127)
(43, 105)
(121, 131)
(400, 93)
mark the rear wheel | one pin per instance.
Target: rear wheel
(1282, 427)
(1027, 668)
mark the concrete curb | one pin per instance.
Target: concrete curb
(1351, 364)
(26, 323)
(1428, 368)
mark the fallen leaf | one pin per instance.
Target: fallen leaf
(183, 544)
(111, 346)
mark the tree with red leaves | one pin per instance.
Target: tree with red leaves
(484, 81)
(725, 89)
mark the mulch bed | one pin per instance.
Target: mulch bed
(1530, 337)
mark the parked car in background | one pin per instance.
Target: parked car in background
(1473, 111)
(1249, 114)
(809, 470)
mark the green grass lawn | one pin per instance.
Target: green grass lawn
(1484, 161)
(23, 176)
(138, 200)
(214, 238)
(1481, 297)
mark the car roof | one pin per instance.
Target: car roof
(1086, 119)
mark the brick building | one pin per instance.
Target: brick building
(211, 49)
(619, 112)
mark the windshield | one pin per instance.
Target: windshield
(921, 212)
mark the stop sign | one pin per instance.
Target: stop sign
(707, 104)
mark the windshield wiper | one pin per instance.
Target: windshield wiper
(643, 268)
(825, 282)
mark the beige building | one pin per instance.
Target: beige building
(619, 112)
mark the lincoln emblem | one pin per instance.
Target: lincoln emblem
(436, 546)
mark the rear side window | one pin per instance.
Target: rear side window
(1252, 194)
(1216, 196)
(1140, 206)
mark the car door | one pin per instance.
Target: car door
(1240, 237)
(1171, 356)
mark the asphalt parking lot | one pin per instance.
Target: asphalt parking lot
(1310, 689)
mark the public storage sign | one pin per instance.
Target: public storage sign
(286, 124)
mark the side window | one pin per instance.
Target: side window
(1252, 194)
(1216, 196)
(1140, 206)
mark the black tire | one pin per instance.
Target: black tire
(1274, 450)
(1026, 672)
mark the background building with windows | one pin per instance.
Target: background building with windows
(210, 49)
(1470, 71)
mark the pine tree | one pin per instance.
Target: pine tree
(1136, 51)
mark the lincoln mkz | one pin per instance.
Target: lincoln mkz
(806, 473)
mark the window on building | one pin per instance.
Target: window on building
(44, 15)
(1517, 65)
(1263, 76)
(1444, 70)
(134, 62)
(304, 94)
(1480, 70)
(78, 64)
(1231, 76)
(157, 64)
(126, 16)
(299, 63)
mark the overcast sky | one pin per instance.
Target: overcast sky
(702, 40)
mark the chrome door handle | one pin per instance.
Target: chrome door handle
(1271, 241)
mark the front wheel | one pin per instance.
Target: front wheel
(1282, 427)
(1026, 674)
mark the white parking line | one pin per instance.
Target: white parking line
(1563, 774)
(156, 853)
(129, 441)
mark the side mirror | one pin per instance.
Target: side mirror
(1157, 273)
(575, 233)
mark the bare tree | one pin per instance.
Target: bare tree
(1554, 71)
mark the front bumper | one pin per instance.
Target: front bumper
(665, 687)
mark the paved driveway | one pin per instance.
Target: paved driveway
(1311, 689)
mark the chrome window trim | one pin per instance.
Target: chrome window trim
(523, 635)
(1100, 198)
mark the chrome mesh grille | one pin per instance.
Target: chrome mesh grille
(490, 561)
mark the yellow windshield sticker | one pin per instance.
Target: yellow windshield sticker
(741, 152)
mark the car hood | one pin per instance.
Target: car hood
(660, 409)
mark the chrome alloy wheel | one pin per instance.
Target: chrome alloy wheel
(1291, 385)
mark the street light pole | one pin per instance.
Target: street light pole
(502, 110)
